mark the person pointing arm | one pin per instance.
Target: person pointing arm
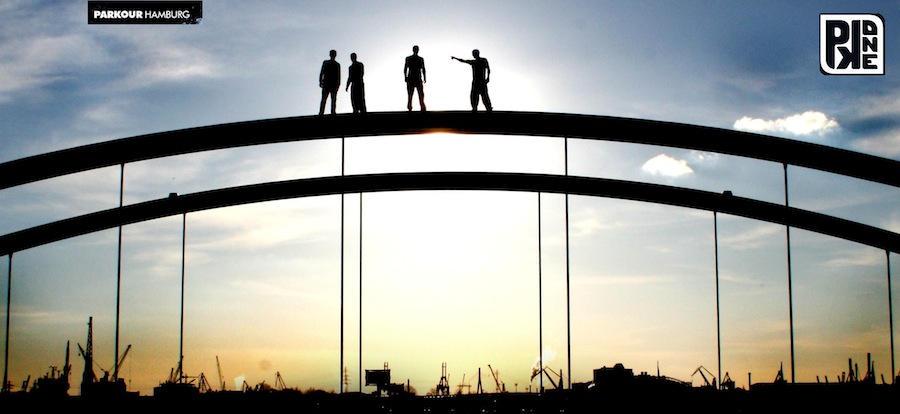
(481, 75)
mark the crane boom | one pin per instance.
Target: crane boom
(121, 361)
(461, 385)
(221, 380)
(500, 388)
(701, 369)
(554, 383)
(279, 382)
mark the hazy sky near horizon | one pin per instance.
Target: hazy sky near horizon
(447, 277)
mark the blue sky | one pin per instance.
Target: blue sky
(448, 277)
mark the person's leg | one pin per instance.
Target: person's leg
(322, 104)
(409, 93)
(421, 97)
(473, 98)
(362, 98)
(354, 98)
(486, 99)
(333, 101)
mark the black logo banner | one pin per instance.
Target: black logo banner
(145, 12)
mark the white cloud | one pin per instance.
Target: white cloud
(880, 106)
(800, 124)
(882, 142)
(27, 64)
(893, 223)
(663, 164)
(886, 144)
(865, 257)
(623, 280)
(30, 62)
(756, 237)
(172, 63)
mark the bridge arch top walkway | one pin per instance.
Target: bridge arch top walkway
(269, 131)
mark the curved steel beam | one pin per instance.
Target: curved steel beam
(640, 131)
(599, 187)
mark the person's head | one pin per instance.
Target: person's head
(353, 57)
(333, 54)
(416, 49)
(476, 53)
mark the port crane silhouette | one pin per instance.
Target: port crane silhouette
(463, 384)
(87, 352)
(443, 387)
(221, 379)
(501, 387)
(556, 385)
(703, 371)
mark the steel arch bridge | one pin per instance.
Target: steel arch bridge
(304, 128)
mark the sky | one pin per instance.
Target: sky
(449, 277)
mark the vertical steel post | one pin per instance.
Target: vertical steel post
(568, 289)
(119, 270)
(540, 303)
(181, 334)
(8, 312)
(790, 292)
(341, 371)
(718, 320)
(887, 254)
(360, 291)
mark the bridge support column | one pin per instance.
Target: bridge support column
(8, 311)
(568, 290)
(789, 276)
(119, 268)
(718, 320)
(894, 374)
(540, 302)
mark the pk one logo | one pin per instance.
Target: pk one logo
(851, 44)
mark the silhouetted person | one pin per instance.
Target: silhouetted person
(355, 80)
(414, 72)
(330, 82)
(481, 75)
